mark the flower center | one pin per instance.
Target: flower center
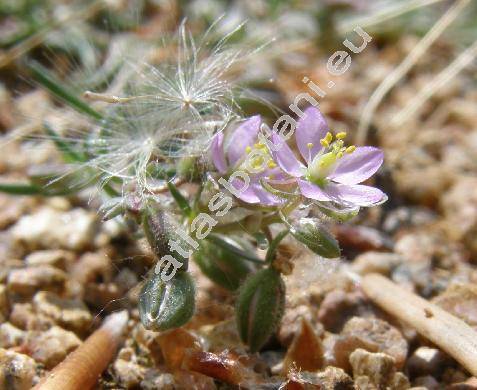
(325, 161)
(258, 159)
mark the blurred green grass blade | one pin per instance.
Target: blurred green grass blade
(69, 154)
(20, 189)
(48, 81)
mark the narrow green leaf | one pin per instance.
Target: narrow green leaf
(161, 170)
(69, 154)
(272, 249)
(180, 200)
(20, 189)
(219, 241)
(221, 265)
(31, 189)
(48, 81)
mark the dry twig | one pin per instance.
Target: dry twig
(448, 332)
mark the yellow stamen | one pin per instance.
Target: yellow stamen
(329, 137)
(309, 145)
(350, 149)
(248, 149)
(341, 135)
(324, 142)
(271, 164)
(339, 155)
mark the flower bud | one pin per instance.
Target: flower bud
(167, 305)
(313, 234)
(154, 225)
(260, 306)
(222, 266)
(159, 231)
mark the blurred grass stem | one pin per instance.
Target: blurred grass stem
(424, 94)
(37, 38)
(398, 73)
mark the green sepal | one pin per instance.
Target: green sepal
(167, 305)
(312, 233)
(339, 215)
(260, 307)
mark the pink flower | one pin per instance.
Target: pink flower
(230, 154)
(328, 171)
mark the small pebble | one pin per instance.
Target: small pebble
(52, 346)
(17, 371)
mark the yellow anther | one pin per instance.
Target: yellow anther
(339, 155)
(350, 149)
(309, 145)
(324, 142)
(341, 135)
(271, 164)
(248, 149)
(329, 137)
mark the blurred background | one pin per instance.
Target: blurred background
(411, 91)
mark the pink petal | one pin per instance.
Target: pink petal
(266, 198)
(248, 194)
(312, 191)
(358, 166)
(285, 158)
(244, 135)
(217, 150)
(310, 129)
(358, 195)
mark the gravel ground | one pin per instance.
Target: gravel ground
(62, 269)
